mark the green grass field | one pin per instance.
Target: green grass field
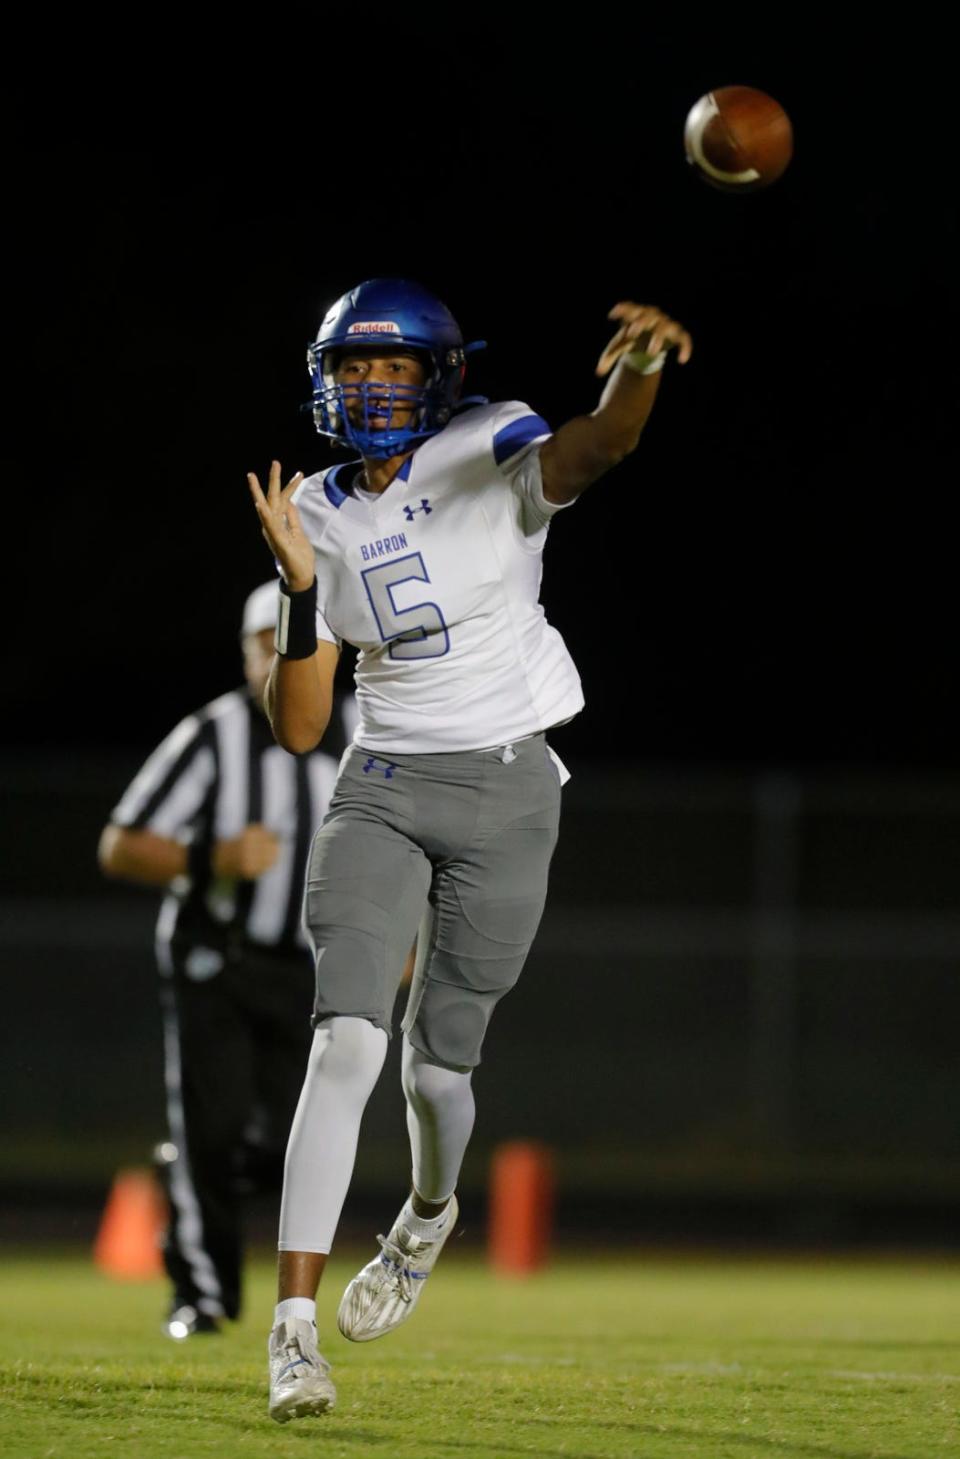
(598, 1357)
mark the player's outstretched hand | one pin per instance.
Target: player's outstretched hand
(280, 522)
(645, 328)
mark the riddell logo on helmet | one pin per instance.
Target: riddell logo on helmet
(383, 326)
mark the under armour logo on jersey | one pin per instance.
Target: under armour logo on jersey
(425, 507)
(379, 767)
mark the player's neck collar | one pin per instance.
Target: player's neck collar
(340, 481)
(361, 481)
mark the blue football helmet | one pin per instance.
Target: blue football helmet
(387, 314)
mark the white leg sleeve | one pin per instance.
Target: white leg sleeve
(344, 1066)
(440, 1111)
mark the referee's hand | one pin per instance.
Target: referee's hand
(280, 522)
(247, 856)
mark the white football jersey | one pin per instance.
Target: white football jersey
(437, 583)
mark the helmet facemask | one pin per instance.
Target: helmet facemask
(424, 409)
(362, 414)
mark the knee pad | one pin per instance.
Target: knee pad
(426, 1084)
(348, 1050)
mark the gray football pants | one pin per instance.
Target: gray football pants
(459, 842)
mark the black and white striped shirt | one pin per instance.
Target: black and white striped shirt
(217, 772)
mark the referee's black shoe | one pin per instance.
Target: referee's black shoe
(185, 1321)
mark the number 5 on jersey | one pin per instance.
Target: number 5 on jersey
(417, 632)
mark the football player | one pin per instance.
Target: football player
(424, 552)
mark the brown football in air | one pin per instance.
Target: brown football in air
(738, 139)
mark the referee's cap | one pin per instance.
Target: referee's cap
(260, 609)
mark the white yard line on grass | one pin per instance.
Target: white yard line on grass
(894, 1377)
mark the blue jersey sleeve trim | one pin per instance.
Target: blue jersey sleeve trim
(516, 435)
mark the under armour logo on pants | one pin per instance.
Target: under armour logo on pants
(374, 766)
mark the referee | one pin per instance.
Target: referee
(223, 818)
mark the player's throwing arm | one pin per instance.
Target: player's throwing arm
(299, 694)
(589, 445)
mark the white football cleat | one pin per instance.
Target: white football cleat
(299, 1375)
(385, 1293)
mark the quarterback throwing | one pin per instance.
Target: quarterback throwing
(424, 552)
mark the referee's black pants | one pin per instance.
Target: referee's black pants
(236, 1046)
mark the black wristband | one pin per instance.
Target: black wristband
(296, 635)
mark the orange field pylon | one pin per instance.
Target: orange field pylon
(521, 1206)
(128, 1242)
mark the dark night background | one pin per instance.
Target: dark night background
(760, 601)
(769, 578)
